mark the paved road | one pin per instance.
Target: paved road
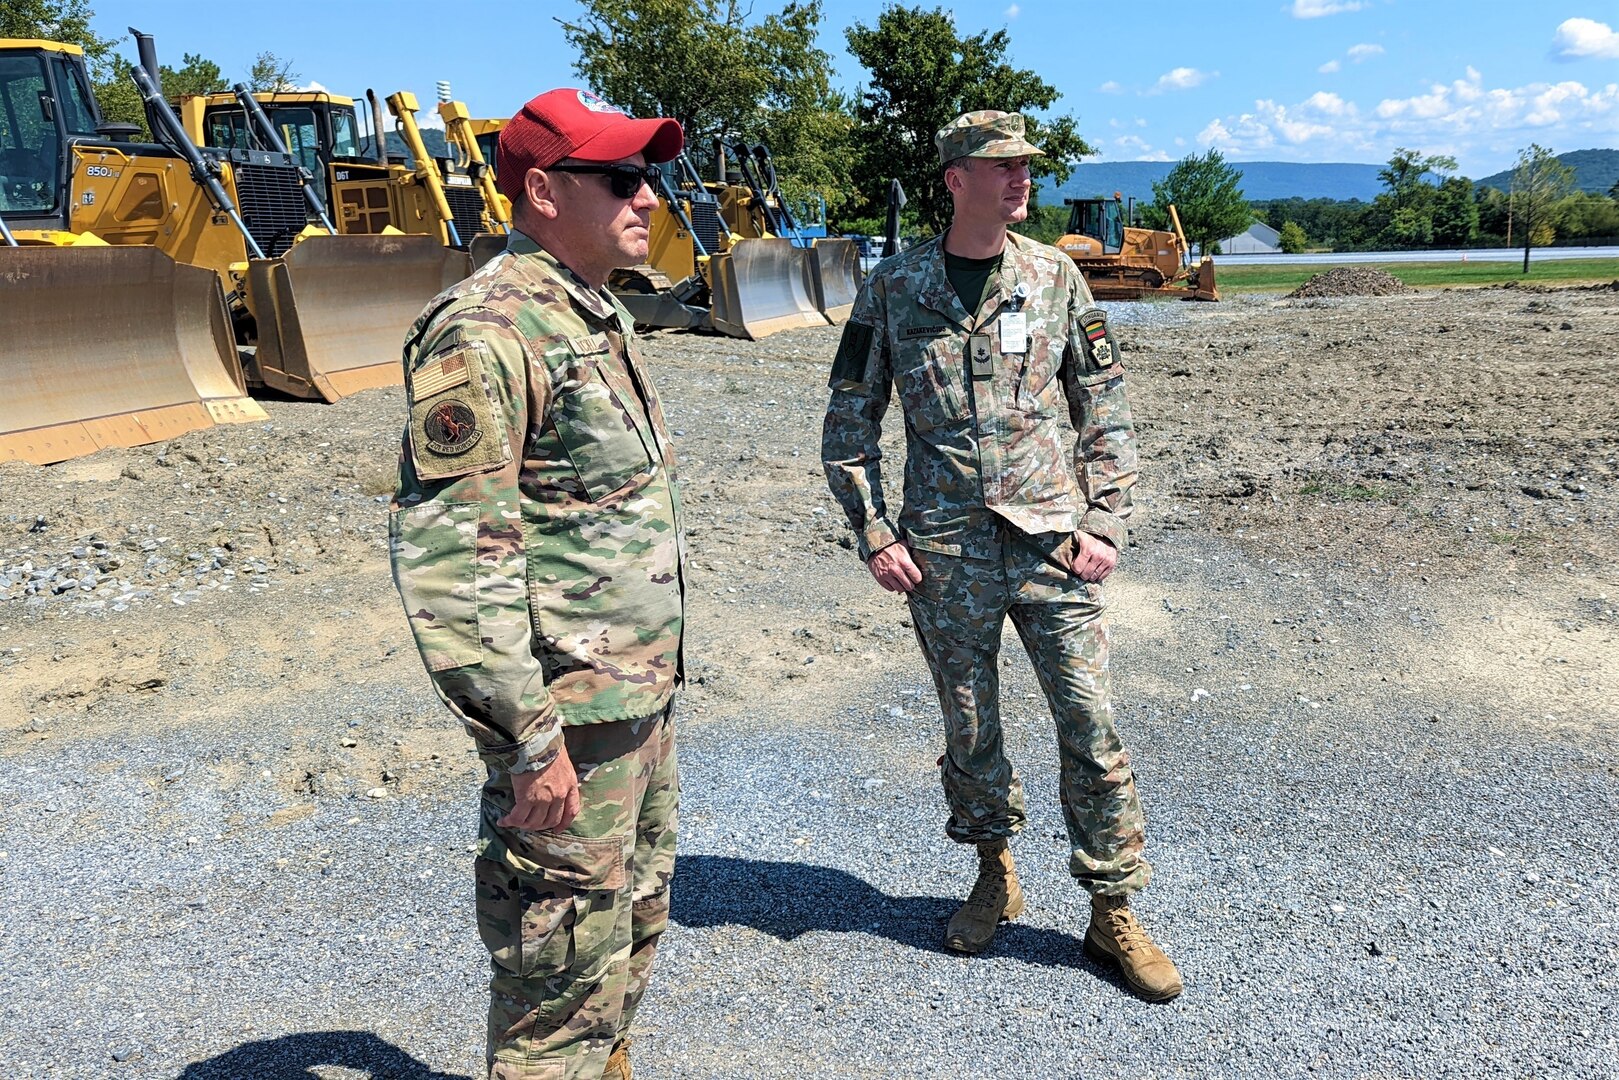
(1481, 255)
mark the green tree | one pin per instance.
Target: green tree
(923, 74)
(269, 73)
(1206, 196)
(1293, 241)
(67, 21)
(1455, 213)
(1406, 210)
(1405, 172)
(1047, 224)
(708, 64)
(1583, 215)
(198, 76)
(1539, 182)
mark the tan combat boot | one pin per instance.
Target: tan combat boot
(618, 1066)
(1115, 936)
(996, 895)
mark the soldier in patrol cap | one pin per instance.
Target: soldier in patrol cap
(536, 542)
(987, 336)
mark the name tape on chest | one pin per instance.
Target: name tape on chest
(912, 332)
(590, 343)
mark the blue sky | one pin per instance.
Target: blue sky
(1288, 80)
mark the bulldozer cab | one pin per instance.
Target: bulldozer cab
(319, 129)
(45, 103)
(1100, 219)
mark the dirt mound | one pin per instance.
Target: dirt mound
(1350, 281)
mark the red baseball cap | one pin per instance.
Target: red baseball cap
(573, 123)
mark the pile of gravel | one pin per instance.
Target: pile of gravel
(1349, 281)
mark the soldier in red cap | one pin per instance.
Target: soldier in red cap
(537, 545)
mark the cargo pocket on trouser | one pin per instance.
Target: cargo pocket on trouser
(549, 912)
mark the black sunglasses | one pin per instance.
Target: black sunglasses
(625, 180)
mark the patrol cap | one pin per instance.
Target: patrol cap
(570, 123)
(987, 133)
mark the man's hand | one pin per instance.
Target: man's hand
(548, 800)
(893, 568)
(1094, 558)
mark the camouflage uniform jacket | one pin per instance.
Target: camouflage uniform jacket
(984, 446)
(536, 535)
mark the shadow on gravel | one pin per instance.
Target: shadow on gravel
(295, 1057)
(785, 900)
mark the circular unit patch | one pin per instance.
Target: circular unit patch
(452, 428)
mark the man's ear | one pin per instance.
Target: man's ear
(538, 187)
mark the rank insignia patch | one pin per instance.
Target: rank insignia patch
(452, 428)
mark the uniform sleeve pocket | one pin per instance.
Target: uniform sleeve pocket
(435, 549)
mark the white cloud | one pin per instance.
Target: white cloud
(1012, 12)
(1315, 9)
(1182, 78)
(1464, 117)
(1578, 39)
(1132, 148)
(1329, 67)
(427, 117)
(312, 88)
(1361, 53)
(1110, 87)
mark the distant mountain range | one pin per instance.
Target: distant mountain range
(1594, 170)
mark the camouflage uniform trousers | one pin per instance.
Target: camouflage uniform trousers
(958, 611)
(572, 919)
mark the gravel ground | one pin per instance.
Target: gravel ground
(1364, 658)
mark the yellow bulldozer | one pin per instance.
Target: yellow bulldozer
(100, 345)
(728, 256)
(161, 259)
(719, 255)
(1123, 262)
(370, 193)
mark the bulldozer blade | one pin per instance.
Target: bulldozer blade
(333, 311)
(835, 275)
(1202, 281)
(661, 311)
(762, 286)
(111, 346)
(486, 246)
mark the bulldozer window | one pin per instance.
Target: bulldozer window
(78, 116)
(30, 147)
(298, 131)
(345, 139)
(227, 130)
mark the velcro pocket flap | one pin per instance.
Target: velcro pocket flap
(583, 863)
(455, 420)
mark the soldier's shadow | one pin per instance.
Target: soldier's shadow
(295, 1057)
(785, 900)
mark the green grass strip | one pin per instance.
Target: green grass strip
(1284, 278)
